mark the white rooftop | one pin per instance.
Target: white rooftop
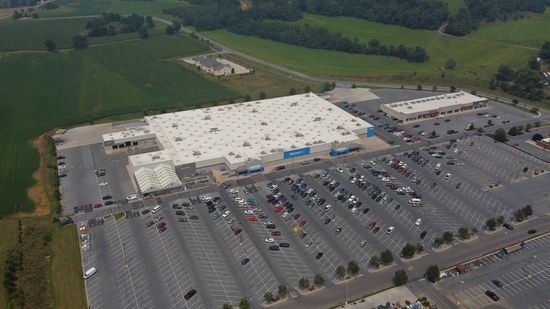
(137, 132)
(434, 102)
(250, 130)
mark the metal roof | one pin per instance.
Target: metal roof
(434, 102)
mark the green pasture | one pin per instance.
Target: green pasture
(477, 60)
(94, 7)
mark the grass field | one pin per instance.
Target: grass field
(44, 91)
(66, 270)
(477, 61)
(454, 5)
(30, 34)
(532, 31)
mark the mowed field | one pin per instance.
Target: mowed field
(30, 34)
(476, 60)
(41, 91)
(532, 31)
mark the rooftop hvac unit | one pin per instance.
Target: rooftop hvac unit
(246, 144)
(294, 104)
(214, 130)
(238, 156)
(308, 144)
(409, 107)
(254, 110)
(264, 123)
(267, 138)
(317, 119)
(339, 128)
(196, 153)
(231, 153)
(178, 139)
(298, 134)
(330, 109)
(206, 118)
(293, 147)
(155, 157)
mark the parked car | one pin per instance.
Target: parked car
(245, 261)
(190, 294)
(492, 295)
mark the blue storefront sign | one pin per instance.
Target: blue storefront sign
(296, 153)
(339, 151)
(370, 131)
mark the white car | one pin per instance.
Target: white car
(417, 222)
(225, 214)
(354, 210)
(353, 180)
(103, 184)
(309, 244)
(351, 198)
(390, 229)
(327, 208)
(285, 214)
(233, 191)
(273, 187)
(340, 170)
(269, 240)
(267, 222)
(131, 197)
(248, 212)
(238, 199)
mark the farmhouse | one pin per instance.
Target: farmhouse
(240, 138)
(434, 107)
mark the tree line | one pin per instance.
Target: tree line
(216, 14)
(524, 82)
(112, 23)
(468, 19)
(320, 38)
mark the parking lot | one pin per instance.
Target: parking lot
(520, 280)
(202, 250)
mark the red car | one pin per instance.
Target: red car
(145, 211)
(275, 233)
(252, 218)
(237, 231)
(98, 205)
(279, 208)
(371, 225)
(296, 216)
(302, 223)
(161, 225)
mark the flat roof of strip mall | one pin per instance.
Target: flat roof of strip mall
(247, 131)
(434, 102)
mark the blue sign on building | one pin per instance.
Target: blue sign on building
(296, 153)
(370, 131)
(339, 151)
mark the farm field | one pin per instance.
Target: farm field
(476, 60)
(531, 31)
(76, 87)
(30, 34)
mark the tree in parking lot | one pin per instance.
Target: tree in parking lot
(386, 257)
(408, 251)
(471, 127)
(400, 277)
(227, 306)
(528, 127)
(500, 135)
(419, 248)
(463, 233)
(282, 290)
(268, 297)
(244, 303)
(500, 219)
(432, 273)
(519, 215)
(537, 137)
(340, 272)
(480, 130)
(491, 224)
(303, 283)
(433, 134)
(537, 124)
(474, 231)
(438, 242)
(353, 268)
(318, 280)
(513, 131)
(527, 210)
(374, 261)
(448, 237)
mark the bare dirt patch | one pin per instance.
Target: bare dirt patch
(39, 193)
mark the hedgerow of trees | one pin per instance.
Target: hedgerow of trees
(113, 23)
(321, 38)
(468, 19)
